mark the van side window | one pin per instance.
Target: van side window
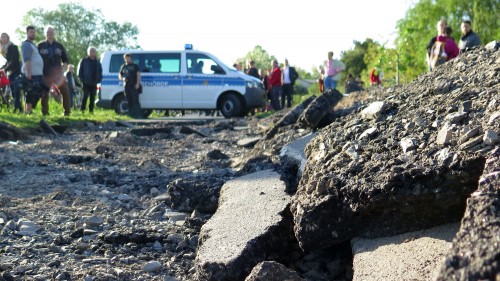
(201, 64)
(162, 62)
(115, 63)
(150, 63)
(171, 63)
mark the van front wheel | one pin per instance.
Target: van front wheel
(230, 106)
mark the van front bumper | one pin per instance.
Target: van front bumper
(255, 97)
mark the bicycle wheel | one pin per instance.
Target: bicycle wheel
(77, 98)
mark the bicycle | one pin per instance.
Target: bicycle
(77, 98)
(5, 92)
(6, 98)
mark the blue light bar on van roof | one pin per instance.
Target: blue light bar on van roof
(188, 46)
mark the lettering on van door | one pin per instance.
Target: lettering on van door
(161, 79)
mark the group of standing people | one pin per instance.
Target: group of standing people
(277, 81)
(44, 68)
(442, 48)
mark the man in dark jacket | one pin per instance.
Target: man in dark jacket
(90, 74)
(252, 70)
(289, 77)
(55, 62)
(469, 38)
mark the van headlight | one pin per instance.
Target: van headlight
(252, 84)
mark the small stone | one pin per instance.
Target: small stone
(410, 126)
(444, 135)
(368, 133)
(456, 117)
(93, 221)
(490, 137)
(124, 197)
(408, 144)
(493, 117)
(152, 266)
(154, 191)
(373, 111)
(157, 246)
(466, 106)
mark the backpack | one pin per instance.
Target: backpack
(438, 54)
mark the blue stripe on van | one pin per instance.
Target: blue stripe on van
(158, 81)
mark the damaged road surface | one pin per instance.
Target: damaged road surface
(310, 193)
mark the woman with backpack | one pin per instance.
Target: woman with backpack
(442, 47)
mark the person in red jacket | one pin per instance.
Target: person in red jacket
(275, 85)
(376, 76)
(450, 47)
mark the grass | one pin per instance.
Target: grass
(100, 115)
(55, 116)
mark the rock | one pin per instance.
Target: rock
(26, 226)
(93, 221)
(250, 224)
(175, 216)
(493, 45)
(9, 132)
(190, 193)
(248, 142)
(376, 190)
(295, 151)
(152, 266)
(290, 118)
(187, 131)
(373, 111)
(124, 197)
(408, 144)
(444, 135)
(272, 271)
(476, 247)
(47, 128)
(216, 154)
(319, 108)
(490, 137)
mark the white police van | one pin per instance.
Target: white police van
(187, 79)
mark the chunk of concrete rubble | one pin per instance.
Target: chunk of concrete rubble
(376, 190)
(295, 151)
(490, 137)
(248, 142)
(319, 108)
(409, 256)
(373, 111)
(476, 248)
(444, 135)
(47, 128)
(252, 222)
(290, 118)
(272, 271)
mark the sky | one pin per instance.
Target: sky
(301, 31)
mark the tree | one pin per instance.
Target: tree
(419, 25)
(260, 56)
(354, 59)
(78, 28)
